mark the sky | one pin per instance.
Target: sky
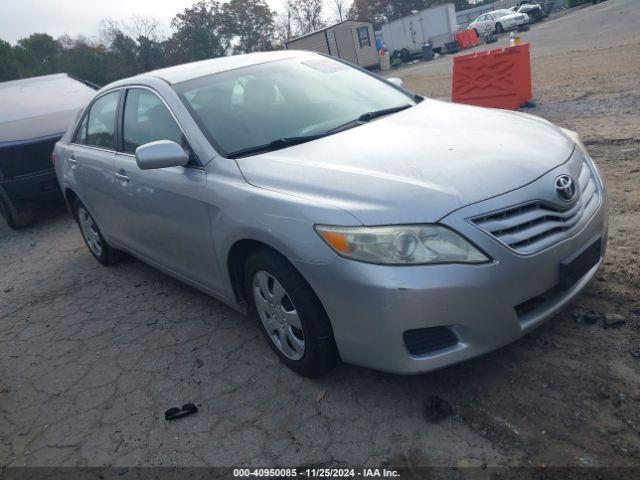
(20, 18)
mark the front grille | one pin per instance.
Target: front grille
(421, 341)
(20, 160)
(533, 226)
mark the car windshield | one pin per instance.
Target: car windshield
(295, 99)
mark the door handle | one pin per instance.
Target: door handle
(121, 177)
(71, 159)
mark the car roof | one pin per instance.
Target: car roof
(189, 71)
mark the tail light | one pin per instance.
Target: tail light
(53, 158)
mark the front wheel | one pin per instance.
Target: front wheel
(499, 28)
(92, 236)
(289, 314)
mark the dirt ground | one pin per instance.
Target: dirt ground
(90, 358)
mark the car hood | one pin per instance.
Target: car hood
(417, 165)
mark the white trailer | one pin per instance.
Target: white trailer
(435, 25)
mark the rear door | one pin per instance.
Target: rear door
(90, 159)
(161, 213)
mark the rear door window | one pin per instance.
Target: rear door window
(81, 133)
(101, 122)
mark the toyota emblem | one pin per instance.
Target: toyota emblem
(565, 187)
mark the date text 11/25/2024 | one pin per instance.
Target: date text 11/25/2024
(315, 472)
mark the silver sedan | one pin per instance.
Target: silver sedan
(355, 220)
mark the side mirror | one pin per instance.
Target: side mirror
(161, 154)
(396, 81)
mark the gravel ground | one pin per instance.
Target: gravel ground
(90, 357)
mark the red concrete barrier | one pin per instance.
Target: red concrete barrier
(499, 78)
(467, 39)
(473, 38)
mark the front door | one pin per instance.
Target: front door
(162, 213)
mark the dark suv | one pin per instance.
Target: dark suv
(34, 114)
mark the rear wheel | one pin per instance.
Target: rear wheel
(499, 28)
(289, 314)
(94, 240)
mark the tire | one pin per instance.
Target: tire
(293, 315)
(93, 239)
(17, 215)
(499, 28)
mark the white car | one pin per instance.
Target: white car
(498, 21)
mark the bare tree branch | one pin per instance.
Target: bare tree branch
(340, 9)
(142, 26)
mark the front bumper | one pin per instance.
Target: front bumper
(370, 306)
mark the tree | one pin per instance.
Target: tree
(146, 33)
(37, 54)
(197, 35)
(137, 44)
(340, 9)
(8, 65)
(306, 15)
(93, 62)
(146, 27)
(125, 47)
(251, 21)
(283, 27)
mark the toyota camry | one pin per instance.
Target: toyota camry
(354, 219)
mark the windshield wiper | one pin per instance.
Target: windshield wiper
(367, 117)
(275, 145)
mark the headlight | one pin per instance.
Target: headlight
(401, 245)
